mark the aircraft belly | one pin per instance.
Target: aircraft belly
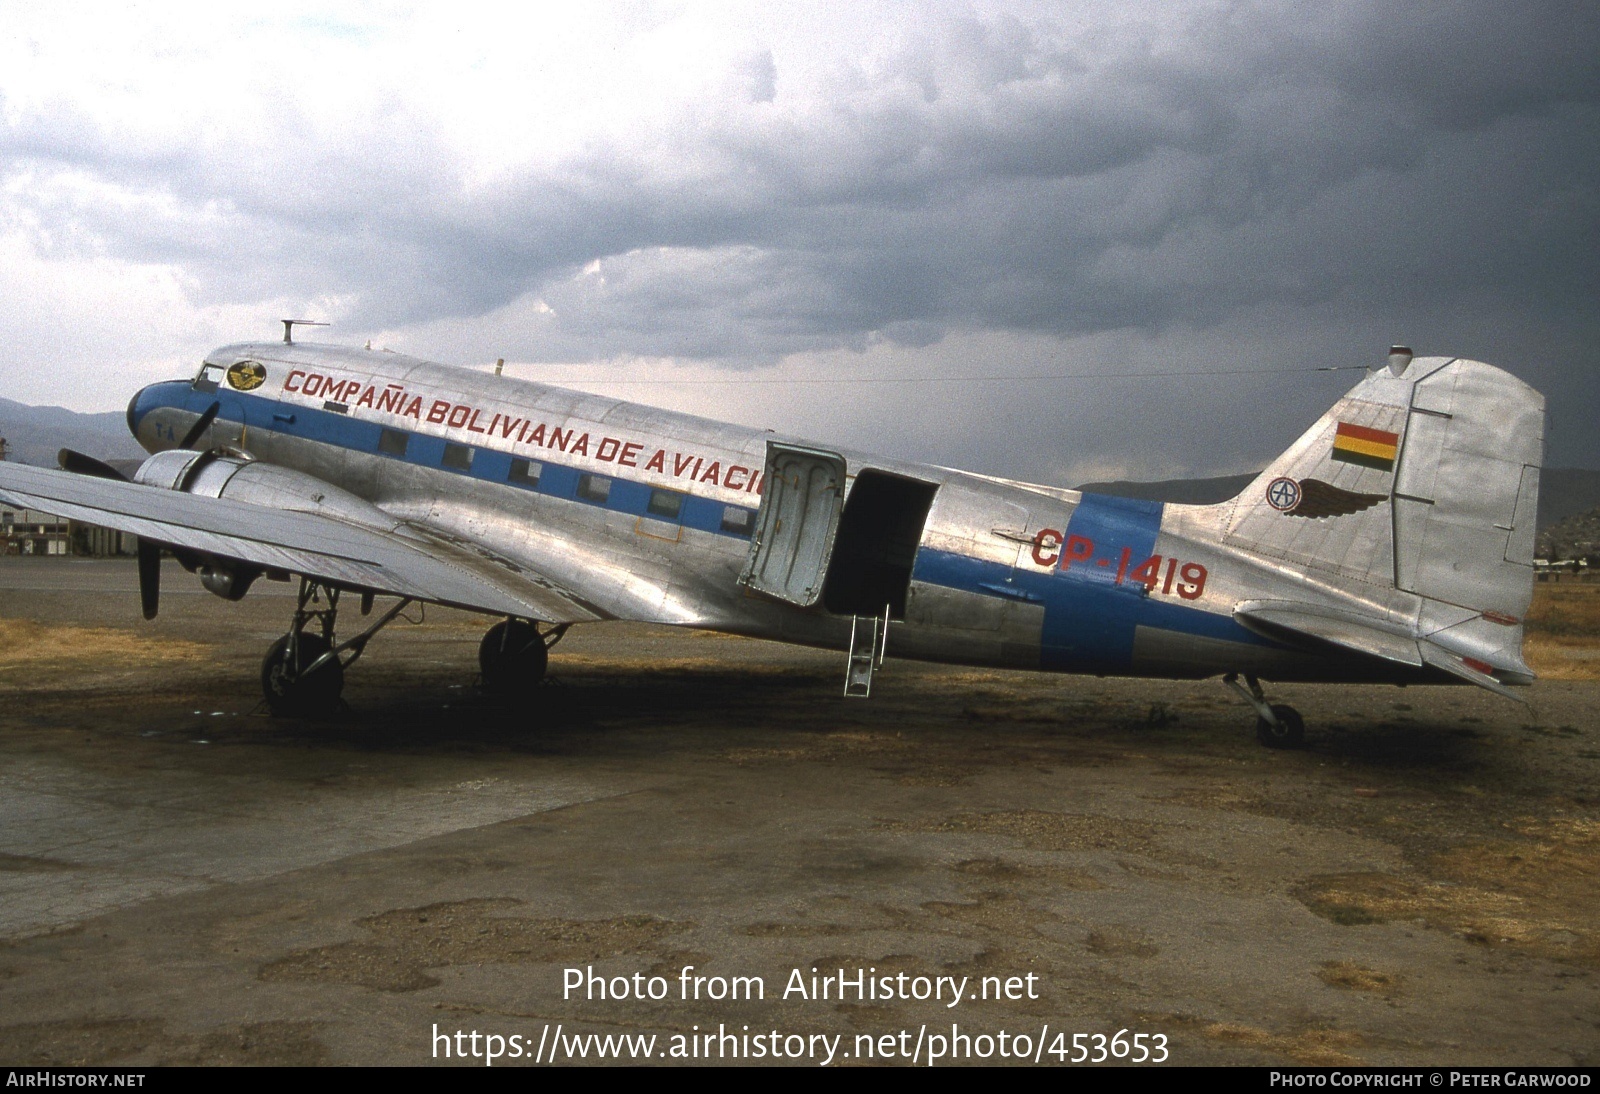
(957, 625)
(1161, 652)
(938, 607)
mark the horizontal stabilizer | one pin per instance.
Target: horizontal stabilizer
(1468, 669)
(1379, 638)
(1284, 620)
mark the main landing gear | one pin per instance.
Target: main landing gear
(514, 655)
(1277, 725)
(303, 672)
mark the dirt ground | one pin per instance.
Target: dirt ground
(186, 880)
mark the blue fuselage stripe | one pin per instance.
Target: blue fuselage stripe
(1090, 619)
(487, 464)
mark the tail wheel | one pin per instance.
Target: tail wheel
(291, 691)
(512, 658)
(1290, 732)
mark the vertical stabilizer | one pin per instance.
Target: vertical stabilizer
(1413, 501)
(1324, 504)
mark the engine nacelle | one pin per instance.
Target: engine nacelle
(243, 479)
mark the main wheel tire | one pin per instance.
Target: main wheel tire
(512, 658)
(1290, 732)
(290, 691)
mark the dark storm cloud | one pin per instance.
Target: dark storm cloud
(1006, 177)
(1038, 171)
(1009, 173)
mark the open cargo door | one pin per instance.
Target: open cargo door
(797, 523)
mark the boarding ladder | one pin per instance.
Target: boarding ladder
(868, 638)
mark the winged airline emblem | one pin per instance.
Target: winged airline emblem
(246, 375)
(1317, 499)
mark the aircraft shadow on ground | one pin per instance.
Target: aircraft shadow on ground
(571, 712)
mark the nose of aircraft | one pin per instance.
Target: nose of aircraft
(150, 397)
(134, 411)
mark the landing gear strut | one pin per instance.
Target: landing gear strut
(514, 655)
(303, 672)
(1277, 725)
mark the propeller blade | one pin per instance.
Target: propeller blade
(192, 438)
(149, 577)
(79, 464)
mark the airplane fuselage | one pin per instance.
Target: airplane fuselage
(652, 513)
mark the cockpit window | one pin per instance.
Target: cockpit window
(210, 376)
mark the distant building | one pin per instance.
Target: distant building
(30, 532)
(98, 542)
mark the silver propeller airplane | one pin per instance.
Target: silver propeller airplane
(1393, 542)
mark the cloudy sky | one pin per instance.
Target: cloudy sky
(654, 199)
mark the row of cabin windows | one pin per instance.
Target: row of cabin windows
(666, 504)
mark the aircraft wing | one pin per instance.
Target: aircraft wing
(403, 561)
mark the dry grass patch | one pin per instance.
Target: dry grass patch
(839, 745)
(990, 870)
(30, 651)
(1563, 631)
(77, 1043)
(1120, 940)
(1535, 894)
(1353, 977)
(109, 1042)
(795, 930)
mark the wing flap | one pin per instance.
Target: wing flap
(401, 560)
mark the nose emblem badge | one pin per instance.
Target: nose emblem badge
(246, 375)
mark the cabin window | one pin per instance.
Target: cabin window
(741, 522)
(392, 442)
(457, 457)
(524, 473)
(594, 488)
(665, 503)
(210, 376)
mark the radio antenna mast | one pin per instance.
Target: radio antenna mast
(289, 325)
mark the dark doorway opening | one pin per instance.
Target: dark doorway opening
(877, 544)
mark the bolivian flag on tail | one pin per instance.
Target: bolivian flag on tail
(1368, 447)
